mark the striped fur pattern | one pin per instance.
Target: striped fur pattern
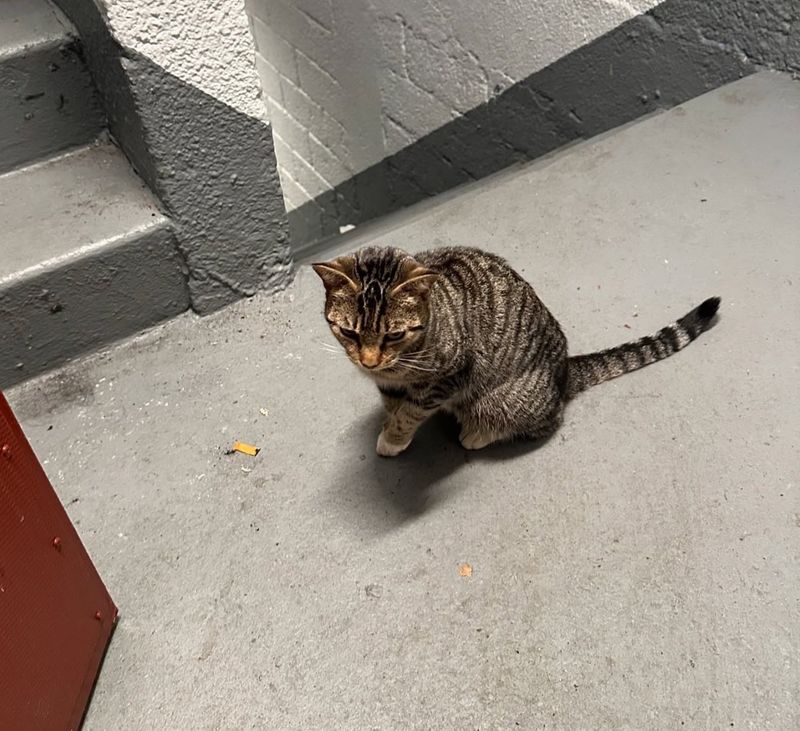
(457, 329)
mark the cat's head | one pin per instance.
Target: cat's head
(376, 303)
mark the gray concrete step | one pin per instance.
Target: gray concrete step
(47, 99)
(86, 257)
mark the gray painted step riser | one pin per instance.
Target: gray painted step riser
(47, 103)
(51, 316)
(87, 257)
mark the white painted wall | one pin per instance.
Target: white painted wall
(348, 82)
(206, 44)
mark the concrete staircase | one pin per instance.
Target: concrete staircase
(86, 255)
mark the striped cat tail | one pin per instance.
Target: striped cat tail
(589, 370)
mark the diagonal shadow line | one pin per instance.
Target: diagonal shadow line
(676, 51)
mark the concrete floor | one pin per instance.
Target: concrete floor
(641, 570)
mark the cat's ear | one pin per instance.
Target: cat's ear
(415, 279)
(337, 274)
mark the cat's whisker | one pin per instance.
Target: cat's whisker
(414, 356)
(417, 361)
(332, 352)
(414, 366)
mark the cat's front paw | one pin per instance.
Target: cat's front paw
(385, 448)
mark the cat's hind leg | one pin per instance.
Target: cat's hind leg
(476, 438)
(546, 426)
(483, 422)
(528, 408)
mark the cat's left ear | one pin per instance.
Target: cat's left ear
(336, 274)
(415, 279)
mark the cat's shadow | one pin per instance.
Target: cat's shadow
(380, 494)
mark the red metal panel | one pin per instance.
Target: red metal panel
(56, 617)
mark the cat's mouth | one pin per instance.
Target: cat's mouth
(397, 366)
(379, 368)
(384, 368)
(398, 371)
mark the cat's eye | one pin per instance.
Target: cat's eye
(351, 334)
(394, 336)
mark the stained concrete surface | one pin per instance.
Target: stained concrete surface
(638, 571)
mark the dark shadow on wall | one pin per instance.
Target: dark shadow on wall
(212, 167)
(676, 51)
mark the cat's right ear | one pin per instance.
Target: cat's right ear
(336, 274)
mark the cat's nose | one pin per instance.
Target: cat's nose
(369, 357)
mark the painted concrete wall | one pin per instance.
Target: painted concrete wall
(206, 44)
(316, 60)
(199, 138)
(441, 58)
(347, 84)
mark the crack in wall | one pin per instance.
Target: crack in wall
(464, 60)
(324, 28)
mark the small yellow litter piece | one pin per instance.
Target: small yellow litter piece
(248, 449)
(464, 569)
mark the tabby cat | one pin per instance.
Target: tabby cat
(458, 329)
